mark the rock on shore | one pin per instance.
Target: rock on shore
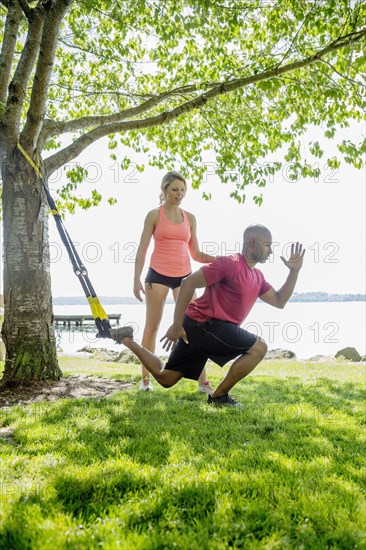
(280, 353)
(350, 354)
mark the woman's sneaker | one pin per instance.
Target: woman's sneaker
(224, 401)
(206, 388)
(145, 384)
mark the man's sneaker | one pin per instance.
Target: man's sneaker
(224, 401)
(206, 388)
(117, 334)
(146, 384)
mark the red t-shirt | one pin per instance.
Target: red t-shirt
(232, 289)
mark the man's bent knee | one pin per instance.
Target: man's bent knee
(166, 384)
(259, 348)
(167, 379)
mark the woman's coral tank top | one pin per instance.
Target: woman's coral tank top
(170, 256)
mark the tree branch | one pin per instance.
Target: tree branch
(296, 36)
(353, 82)
(88, 93)
(51, 128)
(72, 151)
(37, 107)
(18, 85)
(240, 8)
(26, 9)
(12, 23)
(96, 54)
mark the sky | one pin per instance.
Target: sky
(327, 215)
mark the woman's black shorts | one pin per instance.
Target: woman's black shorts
(220, 341)
(153, 276)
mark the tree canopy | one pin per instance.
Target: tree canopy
(243, 79)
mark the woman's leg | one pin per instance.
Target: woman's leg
(155, 296)
(202, 381)
(204, 385)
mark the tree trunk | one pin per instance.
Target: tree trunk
(27, 331)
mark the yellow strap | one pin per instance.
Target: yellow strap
(97, 308)
(31, 162)
(35, 167)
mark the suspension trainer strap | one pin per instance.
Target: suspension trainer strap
(100, 316)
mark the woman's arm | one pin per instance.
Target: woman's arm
(196, 254)
(148, 230)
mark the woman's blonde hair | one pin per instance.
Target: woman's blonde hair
(167, 180)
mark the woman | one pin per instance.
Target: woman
(175, 240)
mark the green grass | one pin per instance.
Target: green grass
(164, 470)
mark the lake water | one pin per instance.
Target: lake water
(307, 328)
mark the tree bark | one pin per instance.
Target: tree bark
(27, 331)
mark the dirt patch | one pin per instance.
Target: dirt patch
(73, 387)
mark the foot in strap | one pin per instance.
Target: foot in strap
(117, 334)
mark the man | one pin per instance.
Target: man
(209, 327)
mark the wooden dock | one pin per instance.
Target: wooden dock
(79, 320)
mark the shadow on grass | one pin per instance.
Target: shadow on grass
(167, 459)
(146, 426)
(96, 495)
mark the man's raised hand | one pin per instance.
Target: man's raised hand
(295, 261)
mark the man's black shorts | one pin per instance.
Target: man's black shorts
(217, 340)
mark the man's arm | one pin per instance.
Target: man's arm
(280, 297)
(186, 291)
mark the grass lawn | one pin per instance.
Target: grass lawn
(164, 470)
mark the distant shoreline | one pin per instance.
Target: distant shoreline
(297, 297)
